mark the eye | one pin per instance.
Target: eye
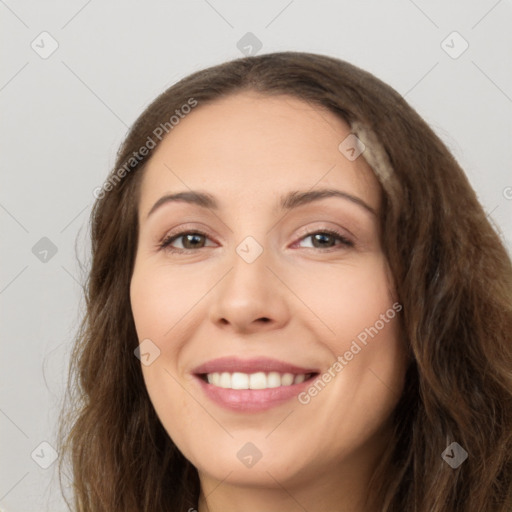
(190, 240)
(326, 239)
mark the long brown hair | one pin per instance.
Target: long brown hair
(453, 278)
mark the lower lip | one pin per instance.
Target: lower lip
(252, 400)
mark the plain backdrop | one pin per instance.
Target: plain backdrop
(75, 75)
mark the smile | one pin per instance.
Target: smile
(251, 385)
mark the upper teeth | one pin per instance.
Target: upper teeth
(259, 380)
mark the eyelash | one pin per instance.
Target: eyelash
(165, 244)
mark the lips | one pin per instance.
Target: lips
(260, 364)
(256, 384)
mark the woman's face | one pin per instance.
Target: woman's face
(283, 288)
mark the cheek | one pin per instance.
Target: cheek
(347, 298)
(358, 306)
(357, 396)
(162, 296)
(175, 408)
(161, 299)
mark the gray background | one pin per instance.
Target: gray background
(64, 116)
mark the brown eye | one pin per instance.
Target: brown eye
(190, 240)
(326, 239)
(321, 240)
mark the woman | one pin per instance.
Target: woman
(296, 302)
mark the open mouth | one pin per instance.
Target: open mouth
(252, 385)
(256, 381)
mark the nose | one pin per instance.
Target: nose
(251, 297)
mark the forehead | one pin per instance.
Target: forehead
(252, 146)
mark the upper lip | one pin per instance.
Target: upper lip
(258, 364)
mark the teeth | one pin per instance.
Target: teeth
(240, 381)
(300, 378)
(225, 380)
(273, 380)
(286, 379)
(259, 380)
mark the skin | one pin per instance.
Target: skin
(247, 150)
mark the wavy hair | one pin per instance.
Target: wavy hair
(453, 277)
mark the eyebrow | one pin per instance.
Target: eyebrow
(291, 200)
